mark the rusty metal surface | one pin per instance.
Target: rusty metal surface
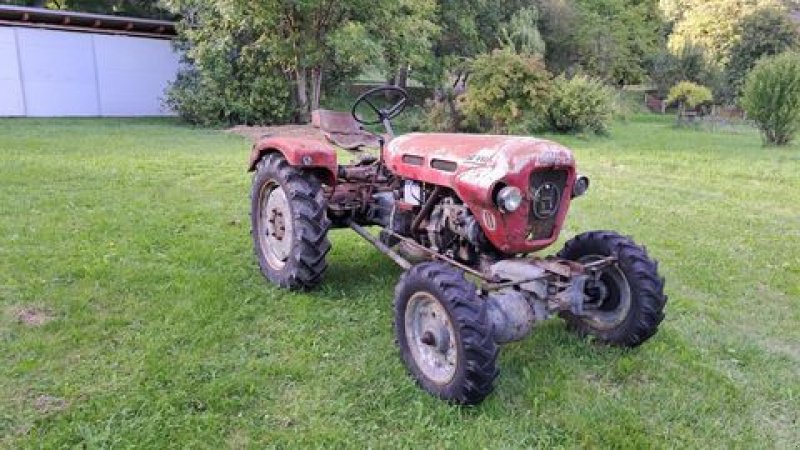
(558, 267)
(341, 129)
(345, 197)
(477, 164)
(383, 248)
(301, 152)
(434, 255)
(426, 208)
(334, 121)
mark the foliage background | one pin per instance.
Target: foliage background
(297, 53)
(772, 97)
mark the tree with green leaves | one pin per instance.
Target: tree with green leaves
(609, 39)
(307, 42)
(674, 10)
(714, 25)
(766, 32)
(227, 76)
(473, 27)
(617, 37)
(559, 20)
(405, 31)
(522, 35)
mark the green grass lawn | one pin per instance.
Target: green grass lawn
(129, 240)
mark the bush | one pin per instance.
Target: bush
(771, 97)
(506, 93)
(439, 117)
(580, 104)
(213, 99)
(689, 95)
(227, 77)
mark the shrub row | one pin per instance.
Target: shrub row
(511, 93)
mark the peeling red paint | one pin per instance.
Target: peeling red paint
(301, 152)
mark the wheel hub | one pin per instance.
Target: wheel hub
(608, 297)
(597, 292)
(438, 339)
(431, 337)
(278, 228)
(275, 225)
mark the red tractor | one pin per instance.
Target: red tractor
(463, 215)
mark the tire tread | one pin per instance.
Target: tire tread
(470, 318)
(306, 264)
(647, 287)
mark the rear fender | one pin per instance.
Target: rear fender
(300, 152)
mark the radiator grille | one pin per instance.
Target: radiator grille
(546, 192)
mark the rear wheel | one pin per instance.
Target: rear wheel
(444, 333)
(289, 224)
(626, 305)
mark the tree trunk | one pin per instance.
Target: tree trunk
(301, 86)
(316, 87)
(401, 77)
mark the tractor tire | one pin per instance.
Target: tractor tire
(289, 224)
(629, 304)
(444, 334)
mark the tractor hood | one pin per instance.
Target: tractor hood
(475, 166)
(438, 158)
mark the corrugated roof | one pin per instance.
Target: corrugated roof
(92, 23)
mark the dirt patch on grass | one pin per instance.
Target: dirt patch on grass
(782, 347)
(32, 316)
(48, 403)
(256, 133)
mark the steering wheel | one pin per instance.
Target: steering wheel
(382, 113)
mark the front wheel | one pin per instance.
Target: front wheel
(444, 333)
(626, 304)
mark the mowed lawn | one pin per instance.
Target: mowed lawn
(132, 312)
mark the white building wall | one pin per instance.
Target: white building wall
(11, 101)
(58, 75)
(132, 74)
(66, 73)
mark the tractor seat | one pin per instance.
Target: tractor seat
(341, 129)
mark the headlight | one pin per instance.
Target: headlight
(581, 186)
(509, 198)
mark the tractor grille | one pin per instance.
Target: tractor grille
(547, 190)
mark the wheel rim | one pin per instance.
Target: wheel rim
(276, 234)
(612, 303)
(431, 337)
